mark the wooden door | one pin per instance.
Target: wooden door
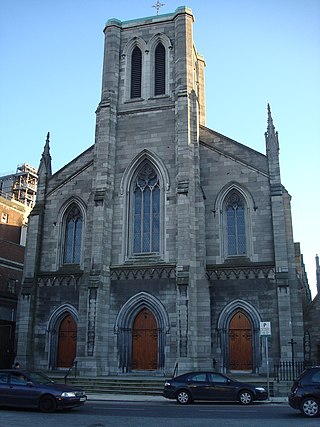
(67, 342)
(145, 342)
(240, 342)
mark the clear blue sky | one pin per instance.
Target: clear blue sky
(256, 51)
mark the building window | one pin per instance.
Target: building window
(73, 236)
(236, 230)
(160, 70)
(136, 67)
(4, 218)
(11, 286)
(146, 211)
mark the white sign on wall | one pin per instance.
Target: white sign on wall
(265, 329)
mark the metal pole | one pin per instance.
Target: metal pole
(267, 357)
(292, 354)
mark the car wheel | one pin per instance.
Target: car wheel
(310, 407)
(183, 397)
(48, 404)
(245, 397)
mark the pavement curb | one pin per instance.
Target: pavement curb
(144, 398)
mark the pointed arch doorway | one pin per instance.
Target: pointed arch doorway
(240, 343)
(67, 342)
(145, 341)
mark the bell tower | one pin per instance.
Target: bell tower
(151, 107)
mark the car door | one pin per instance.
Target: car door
(221, 387)
(21, 391)
(199, 386)
(315, 383)
(4, 388)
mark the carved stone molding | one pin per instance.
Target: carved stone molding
(58, 279)
(143, 272)
(241, 273)
(92, 315)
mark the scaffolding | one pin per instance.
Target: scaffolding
(21, 186)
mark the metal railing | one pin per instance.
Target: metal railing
(74, 365)
(175, 371)
(288, 370)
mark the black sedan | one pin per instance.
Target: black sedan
(29, 389)
(211, 386)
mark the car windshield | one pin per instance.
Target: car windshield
(39, 378)
(302, 375)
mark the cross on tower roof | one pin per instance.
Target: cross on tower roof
(158, 5)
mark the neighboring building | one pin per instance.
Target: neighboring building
(13, 216)
(165, 242)
(17, 198)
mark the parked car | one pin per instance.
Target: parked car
(305, 392)
(211, 386)
(31, 389)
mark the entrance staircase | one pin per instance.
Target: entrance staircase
(115, 385)
(149, 386)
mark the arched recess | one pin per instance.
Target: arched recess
(145, 156)
(61, 224)
(249, 208)
(126, 57)
(54, 323)
(223, 326)
(151, 48)
(154, 159)
(124, 325)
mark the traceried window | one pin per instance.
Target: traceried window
(160, 70)
(146, 211)
(73, 236)
(236, 230)
(136, 67)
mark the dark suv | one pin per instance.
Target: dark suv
(305, 392)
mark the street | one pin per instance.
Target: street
(160, 414)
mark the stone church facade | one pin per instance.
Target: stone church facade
(165, 242)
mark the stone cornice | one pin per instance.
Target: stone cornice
(164, 271)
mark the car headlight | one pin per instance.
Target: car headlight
(167, 384)
(260, 389)
(68, 394)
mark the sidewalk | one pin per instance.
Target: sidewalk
(158, 398)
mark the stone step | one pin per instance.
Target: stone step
(115, 385)
(147, 386)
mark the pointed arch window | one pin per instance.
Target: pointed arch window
(236, 229)
(160, 70)
(73, 235)
(146, 211)
(136, 70)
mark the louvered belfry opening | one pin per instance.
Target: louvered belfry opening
(136, 65)
(160, 68)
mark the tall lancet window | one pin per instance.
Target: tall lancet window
(73, 236)
(236, 230)
(136, 67)
(146, 211)
(160, 70)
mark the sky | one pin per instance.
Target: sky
(256, 51)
